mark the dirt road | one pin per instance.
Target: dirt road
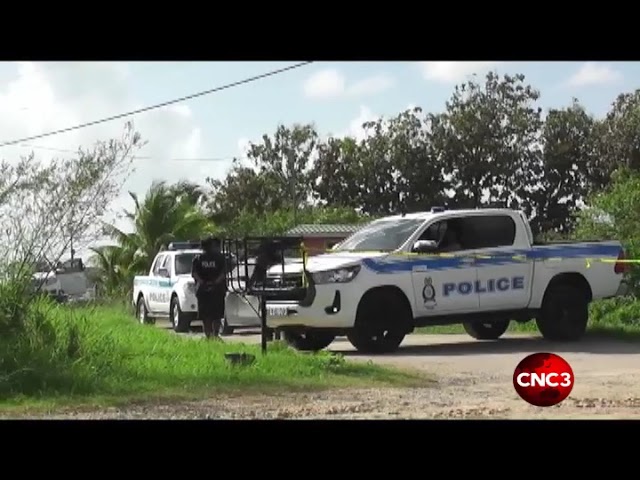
(474, 380)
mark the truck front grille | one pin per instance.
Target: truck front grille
(287, 287)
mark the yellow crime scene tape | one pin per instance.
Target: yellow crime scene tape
(306, 252)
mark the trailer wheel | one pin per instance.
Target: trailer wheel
(564, 314)
(487, 331)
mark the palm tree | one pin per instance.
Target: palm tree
(166, 214)
(189, 192)
(115, 268)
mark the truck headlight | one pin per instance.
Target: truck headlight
(190, 287)
(340, 275)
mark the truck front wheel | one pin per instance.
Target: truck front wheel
(179, 320)
(381, 322)
(309, 341)
(486, 331)
(564, 314)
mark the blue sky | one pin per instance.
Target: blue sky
(335, 96)
(248, 111)
(37, 97)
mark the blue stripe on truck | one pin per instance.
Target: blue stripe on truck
(397, 263)
(154, 282)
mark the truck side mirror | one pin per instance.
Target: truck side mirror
(163, 272)
(424, 246)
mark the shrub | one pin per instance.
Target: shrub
(619, 311)
(63, 351)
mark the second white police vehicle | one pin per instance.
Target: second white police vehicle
(169, 290)
(378, 285)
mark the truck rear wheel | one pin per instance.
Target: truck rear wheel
(225, 329)
(487, 331)
(381, 322)
(179, 320)
(564, 314)
(309, 341)
(142, 313)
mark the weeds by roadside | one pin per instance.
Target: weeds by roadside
(74, 353)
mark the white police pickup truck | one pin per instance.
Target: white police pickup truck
(384, 281)
(169, 290)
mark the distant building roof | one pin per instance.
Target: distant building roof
(324, 230)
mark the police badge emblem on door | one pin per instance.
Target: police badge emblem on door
(429, 294)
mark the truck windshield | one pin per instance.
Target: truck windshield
(383, 235)
(183, 263)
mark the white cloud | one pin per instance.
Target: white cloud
(591, 73)
(370, 85)
(243, 146)
(42, 97)
(324, 84)
(330, 83)
(355, 128)
(453, 72)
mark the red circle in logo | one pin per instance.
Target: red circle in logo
(543, 379)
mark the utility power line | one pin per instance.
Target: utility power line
(139, 157)
(159, 105)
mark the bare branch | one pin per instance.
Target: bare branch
(44, 208)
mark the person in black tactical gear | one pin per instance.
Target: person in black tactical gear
(268, 256)
(209, 271)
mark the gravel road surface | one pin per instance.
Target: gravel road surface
(474, 380)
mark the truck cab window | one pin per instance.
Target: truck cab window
(157, 264)
(452, 236)
(167, 264)
(184, 263)
(448, 234)
(489, 231)
(434, 232)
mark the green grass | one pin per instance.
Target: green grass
(100, 355)
(615, 318)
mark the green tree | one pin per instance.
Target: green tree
(619, 136)
(43, 206)
(393, 168)
(379, 191)
(160, 218)
(116, 266)
(487, 141)
(615, 214)
(419, 180)
(285, 159)
(280, 221)
(338, 173)
(244, 189)
(564, 181)
(190, 192)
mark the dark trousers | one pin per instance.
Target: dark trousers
(211, 309)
